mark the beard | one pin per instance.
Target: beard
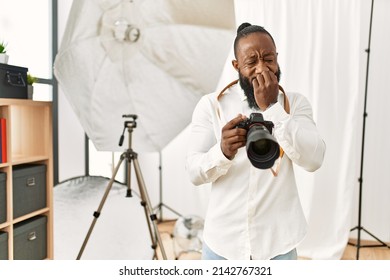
(247, 87)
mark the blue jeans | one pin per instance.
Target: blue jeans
(208, 254)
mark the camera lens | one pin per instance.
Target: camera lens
(262, 148)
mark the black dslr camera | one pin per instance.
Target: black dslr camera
(261, 147)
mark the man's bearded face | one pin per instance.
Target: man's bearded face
(247, 86)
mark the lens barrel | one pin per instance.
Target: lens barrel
(261, 147)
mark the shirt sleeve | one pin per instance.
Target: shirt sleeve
(297, 133)
(205, 161)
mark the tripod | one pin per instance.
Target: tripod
(131, 157)
(359, 227)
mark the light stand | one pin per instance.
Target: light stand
(159, 207)
(131, 157)
(359, 227)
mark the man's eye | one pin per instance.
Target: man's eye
(269, 59)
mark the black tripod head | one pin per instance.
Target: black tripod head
(129, 124)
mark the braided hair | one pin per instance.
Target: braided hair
(245, 29)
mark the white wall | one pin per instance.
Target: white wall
(70, 133)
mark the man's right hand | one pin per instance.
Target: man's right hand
(233, 138)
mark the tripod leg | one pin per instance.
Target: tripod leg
(358, 244)
(148, 206)
(96, 214)
(382, 244)
(152, 237)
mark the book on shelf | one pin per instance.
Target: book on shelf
(3, 139)
(1, 144)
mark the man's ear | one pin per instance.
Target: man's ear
(235, 64)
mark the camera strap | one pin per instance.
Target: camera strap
(287, 109)
(286, 102)
(286, 105)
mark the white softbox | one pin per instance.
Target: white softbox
(152, 58)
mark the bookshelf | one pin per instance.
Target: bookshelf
(28, 141)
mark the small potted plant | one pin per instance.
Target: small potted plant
(3, 53)
(30, 88)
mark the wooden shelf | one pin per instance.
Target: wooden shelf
(29, 141)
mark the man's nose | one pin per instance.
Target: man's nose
(261, 66)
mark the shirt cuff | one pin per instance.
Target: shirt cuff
(275, 114)
(218, 163)
(280, 117)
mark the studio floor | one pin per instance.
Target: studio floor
(121, 229)
(366, 253)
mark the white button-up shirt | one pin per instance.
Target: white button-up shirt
(251, 212)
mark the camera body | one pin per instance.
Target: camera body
(256, 119)
(261, 146)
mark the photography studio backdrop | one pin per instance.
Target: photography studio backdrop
(321, 53)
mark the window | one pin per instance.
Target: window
(25, 26)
